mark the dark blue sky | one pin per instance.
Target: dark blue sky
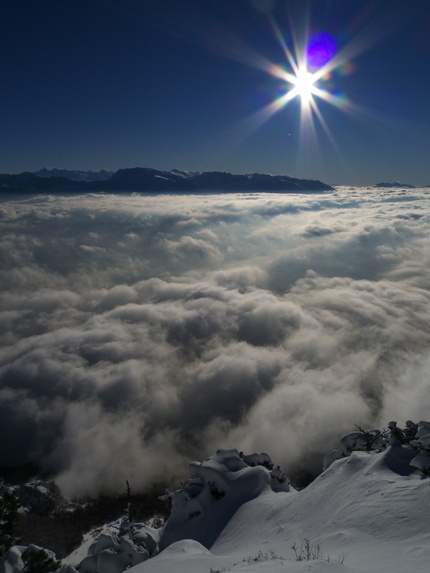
(91, 84)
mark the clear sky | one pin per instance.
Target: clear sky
(206, 85)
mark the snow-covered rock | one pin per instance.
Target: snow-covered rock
(216, 488)
(422, 444)
(40, 497)
(12, 560)
(361, 441)
(17, 559)
(120, 546)
(423, 429)
(413, 436)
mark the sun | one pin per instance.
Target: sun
(307, 74)
(303, 83)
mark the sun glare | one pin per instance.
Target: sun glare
(307, 73)
(304, 85)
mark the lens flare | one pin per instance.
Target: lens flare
(308, 75)
(320, 51)
(311, 74)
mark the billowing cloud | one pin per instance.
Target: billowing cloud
(138, 332)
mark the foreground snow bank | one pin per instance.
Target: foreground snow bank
(367, 511)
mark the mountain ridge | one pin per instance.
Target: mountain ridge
(395, 184)
(75, 174)
(146, 179)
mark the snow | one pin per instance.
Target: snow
(369, 510)
(81, 552)
(216, 489)
(14, 560)
(423, 429)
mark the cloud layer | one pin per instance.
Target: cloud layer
(138, 333)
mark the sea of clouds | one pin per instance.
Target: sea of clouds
(140, 332)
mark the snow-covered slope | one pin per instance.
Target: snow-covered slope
(370, 511)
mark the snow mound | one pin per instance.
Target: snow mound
(216, 488)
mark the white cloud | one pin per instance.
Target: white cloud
(270, 322)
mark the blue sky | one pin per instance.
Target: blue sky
(91, 84)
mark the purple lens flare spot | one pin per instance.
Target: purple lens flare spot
(321, 49)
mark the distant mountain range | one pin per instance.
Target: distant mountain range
(102, 175)
(143, 179)
(396, 184)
